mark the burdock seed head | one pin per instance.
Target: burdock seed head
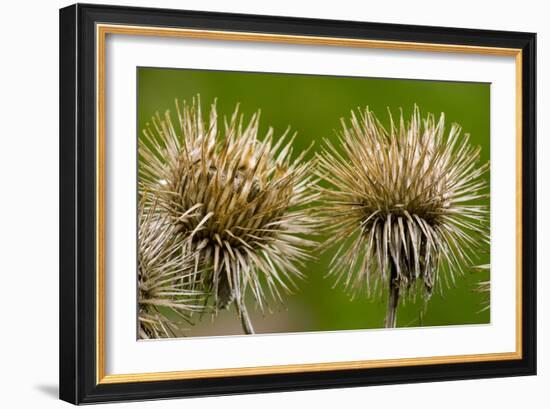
(403, 203)
(164, 278)
(240, 201)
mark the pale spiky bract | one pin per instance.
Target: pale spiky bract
(164, 277)
(404, 203)
(484, 287)
(248, 197)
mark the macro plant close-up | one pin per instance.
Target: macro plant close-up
(402, 205)
(300, 231)
(237, 201)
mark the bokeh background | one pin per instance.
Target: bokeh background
(313, 106)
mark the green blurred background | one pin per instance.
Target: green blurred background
(313, 106)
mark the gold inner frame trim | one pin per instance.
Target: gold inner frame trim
(101, 33)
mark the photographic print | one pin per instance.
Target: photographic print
(336, 203)
(285, 203)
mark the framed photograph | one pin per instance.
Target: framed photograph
(257, 203)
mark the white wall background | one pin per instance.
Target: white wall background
(29, 203)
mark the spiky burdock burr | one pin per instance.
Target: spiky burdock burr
(164, 277)
(250, 200)
(405, 205)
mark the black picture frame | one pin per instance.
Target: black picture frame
(78, 359)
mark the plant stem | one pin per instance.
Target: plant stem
(245, 318)
(393, 301)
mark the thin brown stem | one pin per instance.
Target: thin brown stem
(245, 318)
(393, 301)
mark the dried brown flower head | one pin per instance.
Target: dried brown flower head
(165, 278)
(404, 204)
(247, 196)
